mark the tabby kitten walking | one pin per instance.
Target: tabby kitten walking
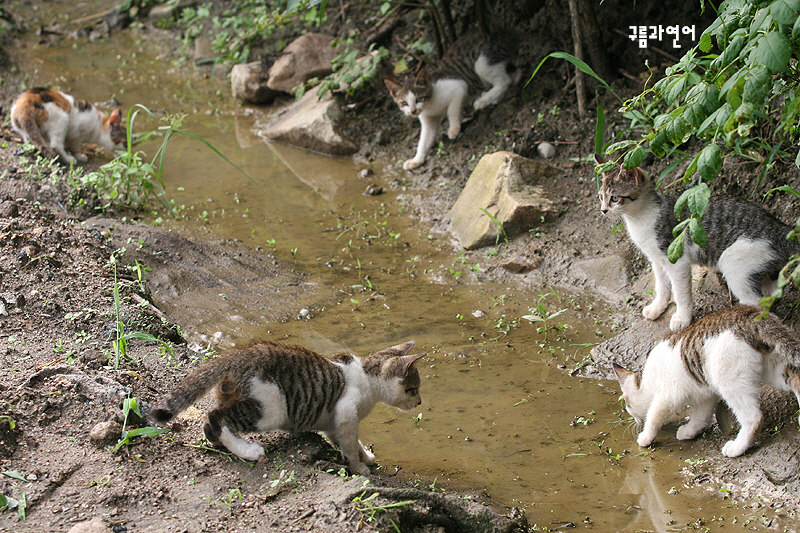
(270, 386)
(58, 124)
(743, 242)
(472, 64)
(725, 355)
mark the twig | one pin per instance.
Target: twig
(578, 49)
(51, 363)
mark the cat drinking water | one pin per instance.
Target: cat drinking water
(471, 64)
(58, 124)
(725, 355)
(743, 242)
(271, 386)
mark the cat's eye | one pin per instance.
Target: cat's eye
(615, 199)
(412, 391)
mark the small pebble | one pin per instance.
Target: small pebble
(546, 150)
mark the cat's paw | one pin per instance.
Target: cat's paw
(645, 440)
(412, 164)
(359, 468)
(685, 432)
(483, 102)
(453, 131)
(367, 456)
(733, 448)
(653, 311)
(679, 321)
(82, 158)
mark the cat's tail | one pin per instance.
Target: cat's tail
(193, 386)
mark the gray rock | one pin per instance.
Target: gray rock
(546, 150)
(249, 84)
(610, 275)
(629, 348)
(508, 187)
(105, 432)
(308, 56)
(310, 123)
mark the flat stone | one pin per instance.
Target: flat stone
(508, 187)
(610, 275)
(95, 525)
(310, 123)
(105, 432)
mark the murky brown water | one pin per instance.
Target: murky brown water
(499, 412)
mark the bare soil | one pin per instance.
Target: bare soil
(56, 280)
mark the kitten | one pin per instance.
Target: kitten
(58, 124)
(471, 64)
(743, 242)
(270, 386)
(724, 355)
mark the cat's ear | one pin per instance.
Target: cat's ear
(401, 349)
(409, 360)
(626, 378)
(393, 86)
(599, 159)
(115, 119)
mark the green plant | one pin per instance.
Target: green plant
(540, 314)
(121, 338)
(501, 232)
(741, 101)
(130, 404)
(370, 510)
(8, 503)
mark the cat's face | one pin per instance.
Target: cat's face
(412, 95)
(113, 123)
(629, 383)
(399, 373)
(619, 188)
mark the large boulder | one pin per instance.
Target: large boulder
(310, 123)
(308, 56)
(249, 84)
(508, 187)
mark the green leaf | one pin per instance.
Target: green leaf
(695, 198)
(757, 85)
(678, 130)
(619, 146)
(14, 475)
(697, 233)
(600, 129)
(773, 51)
(796, 28)
(675, 250)
(709, 162)
(634, 158)
(785, 11)
(790, 110)
(705, 43)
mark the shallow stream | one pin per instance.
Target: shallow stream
(501, 414)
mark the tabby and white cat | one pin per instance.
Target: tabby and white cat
(470, 65)
(271, 386)
(743, 241)
(58, 124)
(724, 355)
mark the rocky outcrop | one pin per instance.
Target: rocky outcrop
(249, 84)
(308, 56)
(502, 198)
(310, 123)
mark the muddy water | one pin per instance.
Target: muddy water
(500, 413)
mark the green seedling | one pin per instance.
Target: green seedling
(130, 404)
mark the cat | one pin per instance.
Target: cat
(726, 354)
(58, 124)
(270, 386)
(745, 243)
(471, 64)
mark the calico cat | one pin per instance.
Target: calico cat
(744, 242)
(724, 355)
(58, 124)
(471, 64)
(271, 386)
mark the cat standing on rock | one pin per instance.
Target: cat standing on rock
(270, 386)
(58, 124)
(471, 64)
(725, 355)
(744, 242)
